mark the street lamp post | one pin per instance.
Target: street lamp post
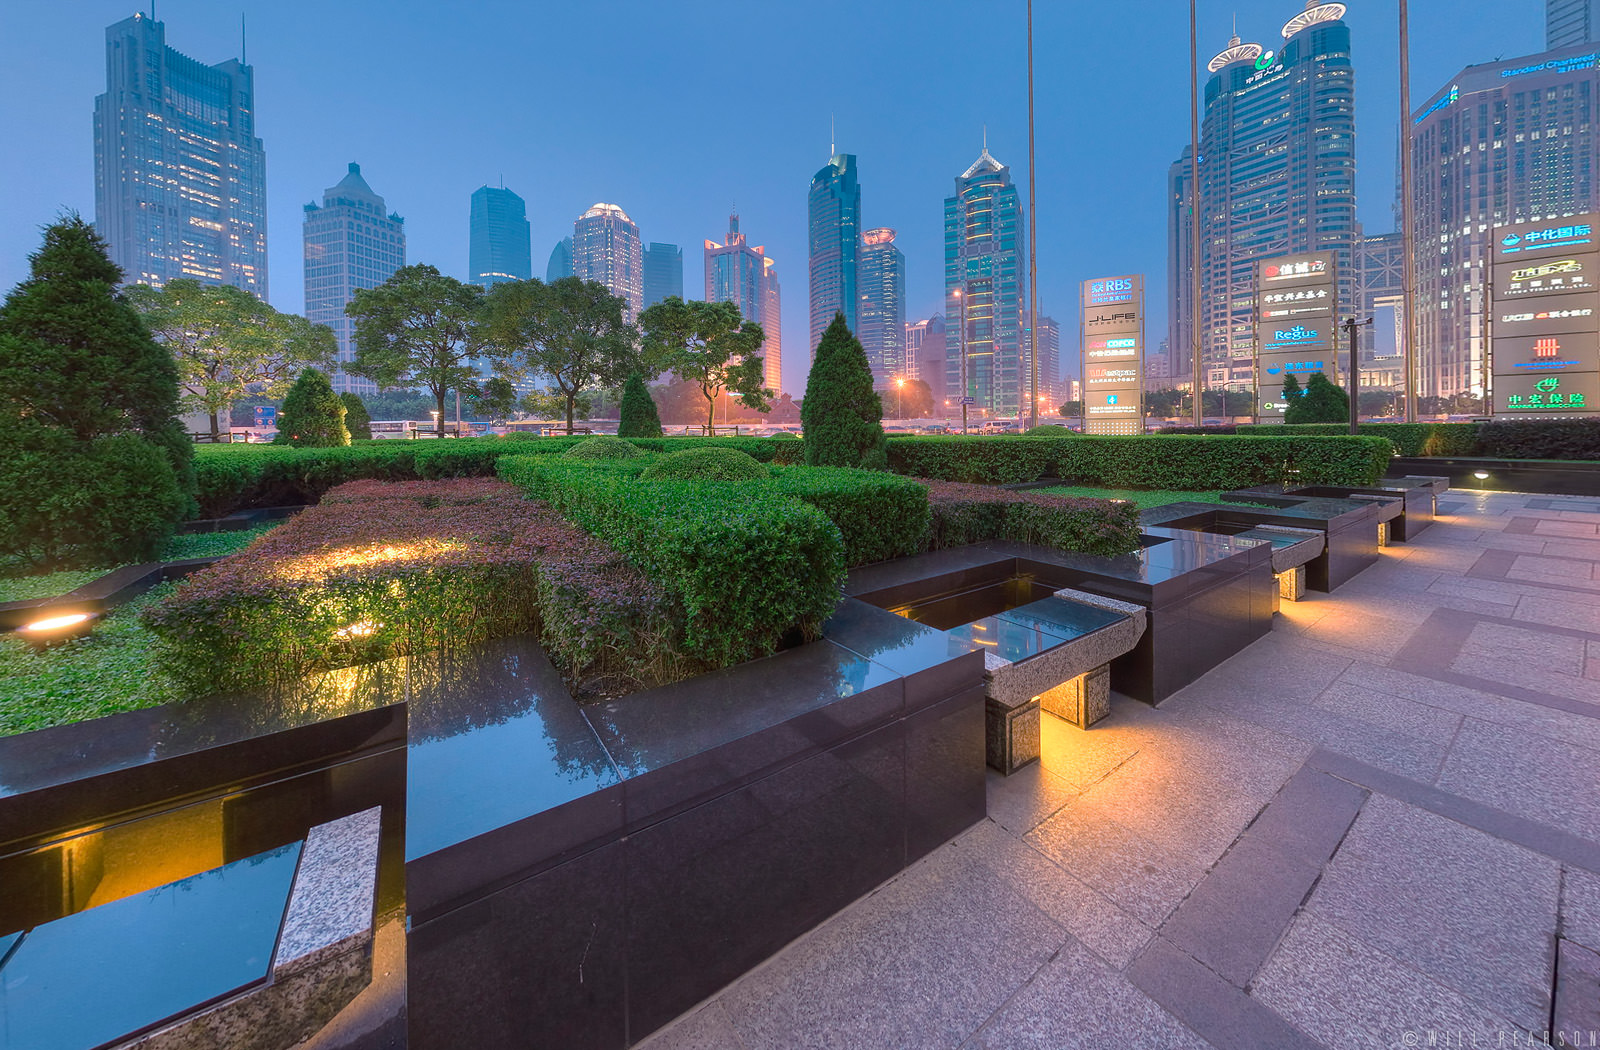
(899, 409)
(1350, 326)
(1033, 245)
(961, 344)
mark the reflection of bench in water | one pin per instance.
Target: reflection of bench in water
(258, 953)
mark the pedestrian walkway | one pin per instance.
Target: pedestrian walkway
(1379, 826)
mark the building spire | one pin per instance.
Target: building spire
(831, 149)
(244, 51)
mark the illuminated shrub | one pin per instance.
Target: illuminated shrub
(706, 464)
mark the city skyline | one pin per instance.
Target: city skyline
(1092, 218)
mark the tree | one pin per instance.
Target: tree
(639, 417)
(1072, 409)
(552, 404)
(1291, 390)
(841, 413)
(911, 398)
(88, 402)
(398, 404)
(312, 415)
(570, 331)
(420, 327)
(356, 418)
(1321, 402)
(709, 344)
(495, 398)
(1165, 404)
(227, 343)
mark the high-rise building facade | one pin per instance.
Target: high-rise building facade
(1570, 22)
(1277, 177)
(1180, 270)
(180, 181)
(985, 290)
(560, 264)
(925, 350)
(1503, 142)
(834, 252)
(740, 273)
(1379, 294)
(881, 310)
(1049, 365)
(499, 248)
(663, 272)
(606, 249)
(351, 241)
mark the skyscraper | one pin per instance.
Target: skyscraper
(606, 249)
(180, 180)
(882, 306)
(925, 357)
(1503, 142)
(1569, 22)
(834, 211)
(1049, 364)
(351, 242)
(663, 272)
(984, 288)
(1379, 291)
(560, 264)
(738, 273)
(1277, 177)
(498, 248)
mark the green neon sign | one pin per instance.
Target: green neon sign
(1266, 59)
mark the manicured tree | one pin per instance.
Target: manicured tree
(841, 414)
(227, 343)
(1322, 402)
(1292, 393)
(495, 397)
(83, 385)
(639, 418)
(356, 418)
(710, 345)
(313, 415)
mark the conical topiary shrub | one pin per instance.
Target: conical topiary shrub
(357, 420)
(312, 414)
(638, 416)
(841, 413)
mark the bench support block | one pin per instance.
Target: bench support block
(1011, 735)
(1292, 584)
(1084, 700)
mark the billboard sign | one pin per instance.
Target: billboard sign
(1554, 275)
(1296, 300)
(1112, 342)
(1544, 345)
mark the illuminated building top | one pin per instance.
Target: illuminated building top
(1314, 14)
(1236, 52)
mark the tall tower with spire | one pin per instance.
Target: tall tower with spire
(351, 241)
(738, 273)
(834, 211)
(985, 291)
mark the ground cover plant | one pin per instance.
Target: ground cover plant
(17, 584)
(382, 569)
(964, 514)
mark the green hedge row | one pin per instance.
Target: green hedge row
(973, 513)
(1411, 439)
(747, 565)
(231, 477)
(1541, 439)
(1150, 461)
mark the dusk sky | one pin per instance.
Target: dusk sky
(676, 111)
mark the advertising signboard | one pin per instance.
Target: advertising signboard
(1544, 349)
(1296, 300)
(1112, 345)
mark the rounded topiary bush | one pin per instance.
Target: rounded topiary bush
(706, 464)
(603, 446)
(1048, 430)
(784, 435)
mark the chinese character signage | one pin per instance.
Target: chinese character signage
(1544, 342)
(1296, 302)
(1113, 359)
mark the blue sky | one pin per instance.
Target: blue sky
(677, 110)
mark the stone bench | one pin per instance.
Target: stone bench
(1292, 550)
(1052, 655)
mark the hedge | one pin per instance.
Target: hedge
(746, 570)
(1149, 461)
(878, 515)
(973, 513)
(381, 569)
(1541, 439)
(1411, 439)
(230, 477)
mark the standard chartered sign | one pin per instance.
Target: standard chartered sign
(1112, 343)
(1544, 341)
(1295, 300)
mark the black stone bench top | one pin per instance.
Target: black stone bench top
(1064, 618)
(1314, 512)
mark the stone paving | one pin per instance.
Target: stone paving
(1379, 826)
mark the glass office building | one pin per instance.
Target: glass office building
(180, 184)
(985, 293)
(498, 246)
(834, 249)
(740, 273)
(882, 307)
(560, 264)
(663, 272)
(1277, 177)
(606, 249)
(351, 241)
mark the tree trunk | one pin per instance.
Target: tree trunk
(438, 420)
(711, 415)
(572, 400)
(216, 434)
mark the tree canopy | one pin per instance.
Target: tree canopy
(313, 415)
(908, 398)
(708, 344)
(842, 416)
(1320, 402)
(420, 328)
(226, 343)
(569, 331)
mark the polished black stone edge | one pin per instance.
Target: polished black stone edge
(1553, 477)
(102, 594)
(239, 519)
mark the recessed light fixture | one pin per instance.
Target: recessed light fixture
(55, 623)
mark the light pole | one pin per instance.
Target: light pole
(1350, 326)
(899, 409)
(1197, 378)
(1033, 245)
(1408, 289)
(961, 345)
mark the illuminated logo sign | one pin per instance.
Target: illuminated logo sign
(1445, 100)
(1110, 290)
(1545, 315)
(1103, 376)
(1529, 273)
(1549, 237)
(1558, 65)
(1299, 295)
(1547, 394)
(1543, 348)
(1117, 318)
(1547, 385)
(1296, 367)
(1295, 271)
(1266, 59)
(1111, 399)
